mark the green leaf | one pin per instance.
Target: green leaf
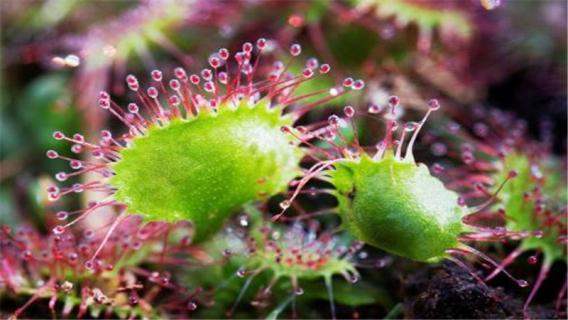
(203, 169)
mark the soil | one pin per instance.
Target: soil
(447, 291)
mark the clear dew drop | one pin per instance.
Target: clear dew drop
(410, 126)
(276, 235)
(353, 278)
(285, 204)
(333, 120)
(89, 265)
(394, 101)
(191, 306)
(61, 176)
(58, 230)
(374, 109)
(349, 111)
(243, 221)
(295, 50)
(62, 215)
(358, 85)
(433, 104)
(51, 154)
(89, 234)
(72, 256)
(72, 60)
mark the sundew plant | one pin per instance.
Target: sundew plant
(211, 159)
